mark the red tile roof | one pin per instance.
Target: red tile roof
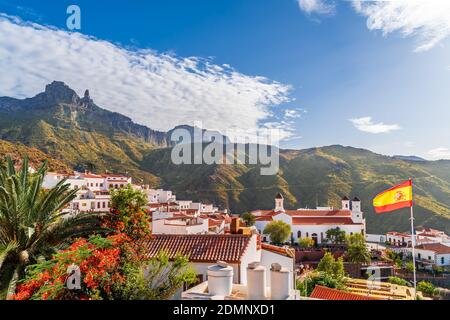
(325, 293)
(200, 248)
(306, 213)
(91, 175)
(399, 234)
(264, 218)
(279, 250)
(214, 223)
(439, 248)
(320, 221)
(319, 213)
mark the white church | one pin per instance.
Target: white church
(314, 223)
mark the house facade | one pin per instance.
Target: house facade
(433, 254)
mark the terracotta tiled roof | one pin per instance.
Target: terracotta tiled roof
(398, 234)
(279, 250)
(264, 218)
(325, 293)
(214, 223)
(306, 213)
(200, 248)
(319, 221)
(439, 248)
(91, 175)
(319, 213)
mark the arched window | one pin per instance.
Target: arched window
(299, 234)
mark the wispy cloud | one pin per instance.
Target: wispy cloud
(439, 153)
(158, 90)
(366, 124)
(428, 20)
(294, 113)
(324, 7)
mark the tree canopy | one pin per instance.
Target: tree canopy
(335, 236)
(357, 251)
(278, 231)
(249, 219)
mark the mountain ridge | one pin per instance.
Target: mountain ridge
(82, 135)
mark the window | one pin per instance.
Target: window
(98, 205)
(299, 234)
(307, 235)
(83, 204)
(429, 257)
(442, 260)
(419, 256)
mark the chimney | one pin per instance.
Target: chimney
(279, 202)
(235, 225)
(256, 281)
(279, 282)
(220, 279)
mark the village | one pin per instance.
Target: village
(278, 254)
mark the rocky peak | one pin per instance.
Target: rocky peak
(58, 91)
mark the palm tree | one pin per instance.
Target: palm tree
(31, 223)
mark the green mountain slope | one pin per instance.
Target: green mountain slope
(36, 157)
(319, 176)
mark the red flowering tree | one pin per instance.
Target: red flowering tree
(111, 267)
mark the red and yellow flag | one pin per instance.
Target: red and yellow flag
(395, 198)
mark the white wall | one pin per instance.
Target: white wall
(251, 254)
(269, 257)
(377, 238)
(163, 226)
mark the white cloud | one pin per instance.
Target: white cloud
(293, 113)
(428, 20)
(366, 124)
(439, 153)
(317, 6)
(158, 90)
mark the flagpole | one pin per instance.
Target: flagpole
(413, 243)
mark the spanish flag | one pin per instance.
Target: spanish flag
(395, 198)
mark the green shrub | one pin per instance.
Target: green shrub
(427, 288)
(399, 281)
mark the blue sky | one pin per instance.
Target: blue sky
(334, 73)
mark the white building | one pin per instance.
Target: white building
(422, 236)
(159, 195)
(180, 224)
(314, 223)
(433, 254)
(92, 189)
(399, 239)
